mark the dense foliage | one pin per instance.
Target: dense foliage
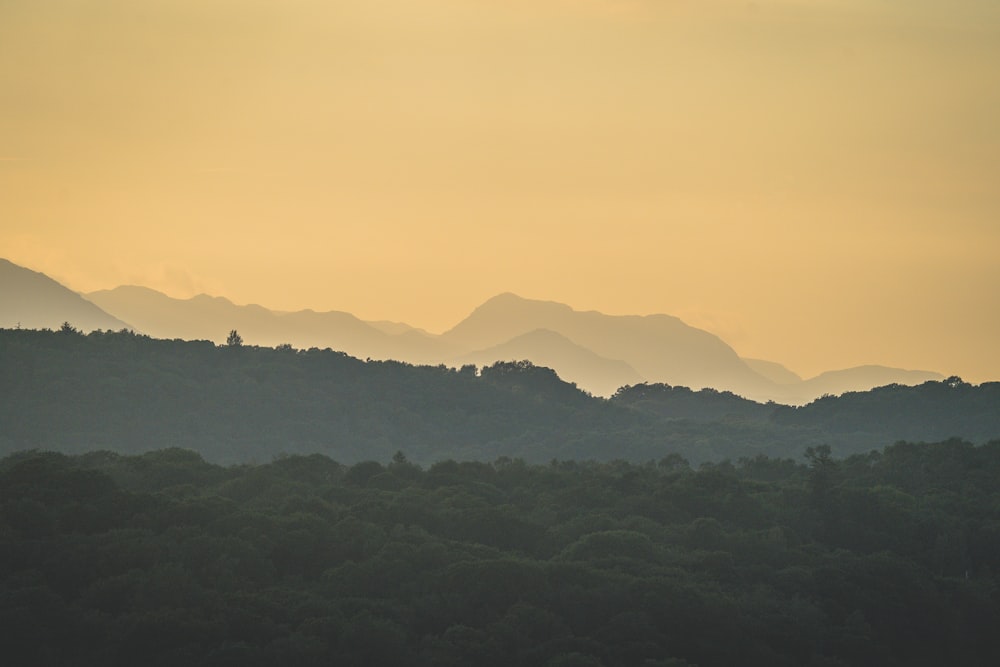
(163, 559)
(63, 391)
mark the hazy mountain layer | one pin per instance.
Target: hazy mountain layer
(573, 362)
(660, 348)
(600, 353)
(32, 300)
(773, 371)
(211, 318)
(793, 390)
(862, 378)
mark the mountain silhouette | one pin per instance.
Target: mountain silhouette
(862, 378)
(395, 328)
(598, 352)
(773, 371)
(211, 318)
(660, 348)
(573, 362)
(32, 300)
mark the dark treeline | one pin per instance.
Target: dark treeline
(64, 391)
(130, 393)
(880, 559)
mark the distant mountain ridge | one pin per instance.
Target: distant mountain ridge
(659, 347)
(862, 378)
(598, 352)
(773, 371)
(204, 317)
(32, 300)
(575, 363)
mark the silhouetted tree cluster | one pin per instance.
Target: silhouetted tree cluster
(234, 339)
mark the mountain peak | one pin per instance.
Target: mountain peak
(659, 346)
(509, 301)
(32, 300)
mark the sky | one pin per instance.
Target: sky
(816, 181)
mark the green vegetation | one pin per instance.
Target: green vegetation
(163, 559)
(69, 392)
(134, 546)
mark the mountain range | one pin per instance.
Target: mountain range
(211, 318)
(598, 352)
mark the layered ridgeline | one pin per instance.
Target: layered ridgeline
(656, 347)
(66, 391)
(598, 352)
(211, 318)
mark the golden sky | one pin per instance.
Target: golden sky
(817, 181)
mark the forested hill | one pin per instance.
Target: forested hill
(61, 390)
(929, 411)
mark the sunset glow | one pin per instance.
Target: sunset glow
(815, 182)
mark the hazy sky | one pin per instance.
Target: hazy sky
(817, 181)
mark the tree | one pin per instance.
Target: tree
(822, 470)
(234, 339)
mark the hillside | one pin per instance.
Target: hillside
(862, 378)
(773, 371)
(130, 393)
(32, 300)
(925, 412)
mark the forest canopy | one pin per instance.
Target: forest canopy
(886, 558)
